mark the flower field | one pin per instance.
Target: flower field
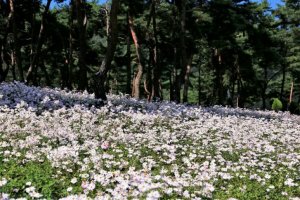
(61, 144)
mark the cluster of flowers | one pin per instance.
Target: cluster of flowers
(17, 94)
(132, 149)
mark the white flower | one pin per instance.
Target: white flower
(208, 188)
(168, 191)
(284, 193)
(35, 195)
(271, 186)
(28, 183)
(91, 186)
(30, 189)
(69, 189)
(267, 176)
(3, 182)
(186, 194)
(289, 182)
(294, 198)
(4, 196)
(153, 195)
(74, 180)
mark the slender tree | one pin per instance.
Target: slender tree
(38, 45)
(101, 75)
(82, 22)
(140, 69)
(16, 56)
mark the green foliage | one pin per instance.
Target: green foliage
(38, 174)
(276, 105)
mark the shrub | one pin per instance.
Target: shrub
(276, 105)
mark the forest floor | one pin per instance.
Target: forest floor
(57, 144)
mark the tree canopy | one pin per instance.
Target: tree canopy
(226, 52)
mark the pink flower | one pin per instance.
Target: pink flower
(105, 145)
(84, 184)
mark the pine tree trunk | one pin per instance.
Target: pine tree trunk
(199, 84)
(101, 75)
(182, 62)
(81, 22)
(4, 54)
(17, 49)
(291, 92)
(3, 72)
(187, 80)
(140, 69)
(264, 88)
(70, 52)
(36, 53)
(282, 82)
(156, 90)
(128, 56)
(218, 83)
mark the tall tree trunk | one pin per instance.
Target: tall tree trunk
(284, 67)
(13, 66)
(187, 79)
(156, 90)
(182, 51)
(148, 80)
(291, 92)
(30, 76)
(70, 52)
(4, 54)
(3, 72)
(199, 84)
(174, 78)
(32, 46)
(112, 38)
(140, 69)
(128, 57)
(82, 21)
(17, 50)
(264, 87)
(217, 64)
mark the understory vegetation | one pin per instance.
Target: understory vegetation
(61, 144)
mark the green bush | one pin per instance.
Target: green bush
(276, 105)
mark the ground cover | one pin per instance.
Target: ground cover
(62, 144)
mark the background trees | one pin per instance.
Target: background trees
(236, 53)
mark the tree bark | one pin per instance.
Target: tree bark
(218, 83)
(291, 92)
(17, 50)
(187, 80)
(4, 54)
(140, 69)
(70, 52)
(82, 22)
(101, 75)
(282, 82)
(36, 53)
(3, 72)
(128, 57)
(156, 90)
(181, 6)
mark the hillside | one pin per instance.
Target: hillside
(62, 144)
